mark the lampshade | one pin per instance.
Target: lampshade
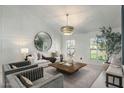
(67, 30)
(24, 50)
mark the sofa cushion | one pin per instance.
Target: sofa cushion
(28, 83)
(40, 61)
(44, 64)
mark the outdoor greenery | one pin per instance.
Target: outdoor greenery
(111, 41)
(96, 52)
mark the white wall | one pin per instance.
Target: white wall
(17, 30)
(83, 44)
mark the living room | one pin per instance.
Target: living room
(23, 27)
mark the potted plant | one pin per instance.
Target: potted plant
(111, 42)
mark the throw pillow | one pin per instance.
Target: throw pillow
(25, 81)
(28, 56)
(30, 59)
(54, 54)
(14, 67)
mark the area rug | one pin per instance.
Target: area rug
(84, 78)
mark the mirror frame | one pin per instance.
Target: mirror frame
(49, 38)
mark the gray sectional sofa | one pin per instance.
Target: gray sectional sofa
(8, 69)
(39, 79)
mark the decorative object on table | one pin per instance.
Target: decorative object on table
(43, 41)
(61, 58)
(70, 54)
(111, 42)
(67, 30)
(81, 60)
(67, 64)
(24, 51)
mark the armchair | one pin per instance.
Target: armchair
(37, 77)
(8, 69)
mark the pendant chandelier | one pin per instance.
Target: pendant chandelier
(67, 30)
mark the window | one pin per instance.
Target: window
(70, 46)
(97, 50)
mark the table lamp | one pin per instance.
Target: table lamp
(24, 51)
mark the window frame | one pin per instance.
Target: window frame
(72, 44)
(97, 49)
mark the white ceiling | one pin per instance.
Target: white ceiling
(83, 18)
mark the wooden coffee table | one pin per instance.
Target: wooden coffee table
(68, 68)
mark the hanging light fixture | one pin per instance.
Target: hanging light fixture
(67, 30)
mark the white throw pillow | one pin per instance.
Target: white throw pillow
(26, 81)
(31, 59)
(14, 67)
(47, 54)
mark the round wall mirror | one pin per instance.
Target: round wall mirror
(43, 41)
